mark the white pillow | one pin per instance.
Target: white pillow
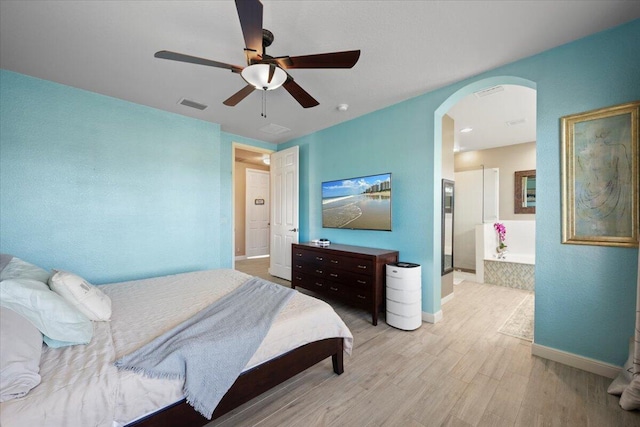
(87, 298)
(19, 269)
(20, 351)
(58, 320)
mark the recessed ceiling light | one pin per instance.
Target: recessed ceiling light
(343, 107)
(465, 130)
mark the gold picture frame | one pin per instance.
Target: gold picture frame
(600, 176)
(524, 192)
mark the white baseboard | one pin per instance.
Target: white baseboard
(431, 317)
(241, 257)
(585, 363)
(446, 299)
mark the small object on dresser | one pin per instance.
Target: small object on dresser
(323, 243)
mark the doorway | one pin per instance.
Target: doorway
(251, 205)
(493, 137)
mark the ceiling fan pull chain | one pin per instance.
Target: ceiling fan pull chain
(264, 103)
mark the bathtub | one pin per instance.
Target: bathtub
(516, 268)
(516, 258)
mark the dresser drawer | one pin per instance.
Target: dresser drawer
(309, 268)
(308, 281)
(364, 266)
(359, 297)
(349, 278)
(308, 256)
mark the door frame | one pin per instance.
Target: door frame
(234, 146)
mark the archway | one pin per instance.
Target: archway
(437, 170)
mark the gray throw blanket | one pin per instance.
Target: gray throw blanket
(210, 350)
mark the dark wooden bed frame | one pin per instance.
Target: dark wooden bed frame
(251, 384)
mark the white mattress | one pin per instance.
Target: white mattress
(80, 386)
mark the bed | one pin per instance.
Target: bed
(81, 386)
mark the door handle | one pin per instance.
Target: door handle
(295, 230)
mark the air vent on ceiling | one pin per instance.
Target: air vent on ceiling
(192, 104)
(488, 91)
(274, 129)
(516, 122)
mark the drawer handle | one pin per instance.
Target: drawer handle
(298, 278)
(333, 275)
(319, 271)
(362, 297)
(319, 284)
(362, 282)
(362, 266)
(333, 289)
(298, 254)
(319, 258)
(298, 266)
(334, 261)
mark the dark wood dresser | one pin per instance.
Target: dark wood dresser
(352, 274)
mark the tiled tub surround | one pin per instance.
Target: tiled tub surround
(516, 269)
(510, 273)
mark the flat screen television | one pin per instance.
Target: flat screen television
(361, 203)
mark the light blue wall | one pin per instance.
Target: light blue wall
(585, 295)
(109, 189)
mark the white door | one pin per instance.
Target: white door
(284, 210)
(257, 213)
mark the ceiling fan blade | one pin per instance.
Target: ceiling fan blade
(299, 94)
(345, 59)
(239, 96)
(250, 14)
(174, 56)
(272, 70)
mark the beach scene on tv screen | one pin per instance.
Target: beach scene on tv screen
(362, 203)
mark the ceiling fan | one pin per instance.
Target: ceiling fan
(264, 72)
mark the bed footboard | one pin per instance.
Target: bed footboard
(252, 383)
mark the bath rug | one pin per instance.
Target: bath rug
(520, 323)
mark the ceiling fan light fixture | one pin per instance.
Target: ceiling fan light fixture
(257, 75)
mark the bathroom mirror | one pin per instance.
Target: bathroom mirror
(524, 201)
(447, 226)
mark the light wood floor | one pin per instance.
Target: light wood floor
(458, 372)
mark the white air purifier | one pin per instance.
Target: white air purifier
(404, 295)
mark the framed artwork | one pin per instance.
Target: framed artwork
(600, 176)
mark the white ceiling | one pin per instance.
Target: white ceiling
(408, 48)
(498, 116)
